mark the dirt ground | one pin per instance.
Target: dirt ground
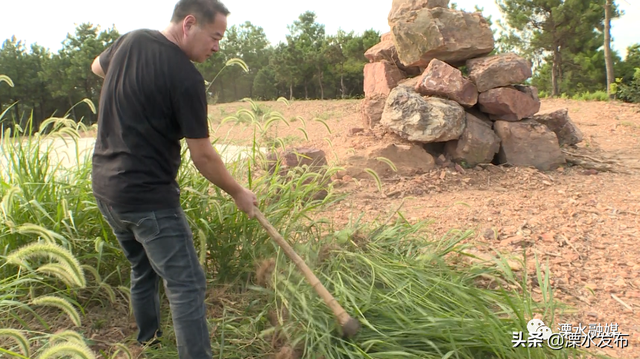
(584, 222)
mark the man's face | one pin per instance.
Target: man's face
(202, 40)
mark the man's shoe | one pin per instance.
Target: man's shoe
(155, 343)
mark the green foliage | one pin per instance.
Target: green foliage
(51, 81)
(624, 70)
(308, 64)
(629, 92)
(562, 39)
(591, 96)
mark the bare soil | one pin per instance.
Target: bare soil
(585, 222)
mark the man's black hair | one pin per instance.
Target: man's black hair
(204, 10)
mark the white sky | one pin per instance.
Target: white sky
(48, 22)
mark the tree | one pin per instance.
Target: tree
(607, 46)
(308, 38)
(626, 69)
(551, 26)
(68, 75)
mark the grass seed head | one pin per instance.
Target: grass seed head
(265, 271)
(287, 352)
(326, 251)
(275, 316)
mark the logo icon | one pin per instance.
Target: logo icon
(538, 326)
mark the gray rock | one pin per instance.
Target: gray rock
(422, 119)
(451, 36)
(528, 143)
(407, 8)
(559, 122)
(477, 144)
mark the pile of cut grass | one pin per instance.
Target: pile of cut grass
(410, 301)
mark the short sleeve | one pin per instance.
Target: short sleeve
(191, 110)
(107, 54)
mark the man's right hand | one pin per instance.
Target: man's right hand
(210, 164)
(246, 202)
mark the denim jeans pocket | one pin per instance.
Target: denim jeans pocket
(144, 225)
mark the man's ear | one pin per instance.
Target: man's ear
(188, 24)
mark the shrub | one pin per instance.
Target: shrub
(629, 92)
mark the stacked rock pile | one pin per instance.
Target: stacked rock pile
(434, 80)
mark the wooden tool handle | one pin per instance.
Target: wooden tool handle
(343, 317)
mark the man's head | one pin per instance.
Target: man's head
(198, 26)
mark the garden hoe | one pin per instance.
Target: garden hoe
(350, 326)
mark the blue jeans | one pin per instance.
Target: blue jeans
(159, 244)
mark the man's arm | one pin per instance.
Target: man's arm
(96, 68)
(211, 166)
(100, 64)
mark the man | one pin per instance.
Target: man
(152, 97)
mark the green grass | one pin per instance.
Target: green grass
(583, 96)
(59, 260)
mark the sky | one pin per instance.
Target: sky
(48, 22)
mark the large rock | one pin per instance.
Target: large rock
(443, 80)
(316, 160)
(449, 35)
(372, 108)
(409, 83)
(387, 36)
(422, 119)
(313, 157)
(528, 143)
(477, 144)
(407, 8)
(559, 122)
(381, 77)
(498, 71)
(408, 160)
(382, 51)
(386, 51)
(511, 103)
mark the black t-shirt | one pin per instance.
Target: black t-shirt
(152, 97)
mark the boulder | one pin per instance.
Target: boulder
(312, 157)
(511, 103)
(409, 83)
(480, 116)
(422, 119)
(316, 159)
(441, 33)
(443, 80)
(498, 71)
(386, 51)
(387, 36)
(477, 144)
(372, 108)
(382, 51)
(381, 77)
(409, 159)
(407, 8)
(559, 122)
(528, 143)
